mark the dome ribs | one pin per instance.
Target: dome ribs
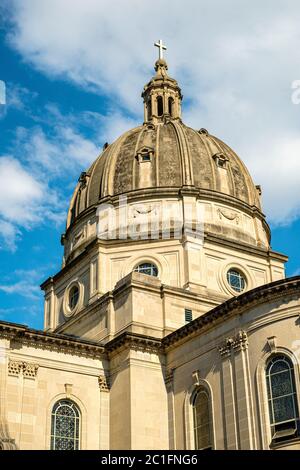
(218, 148)
(241, 177)
(123, 177)
(179, 156)
(169, 162)
(201, 165)
(187, 174)
(135, 174)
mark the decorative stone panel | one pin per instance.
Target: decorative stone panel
(103, 383)
(30, 370)
(16, 368)
(235, 343)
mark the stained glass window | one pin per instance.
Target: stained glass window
(147, 268)
(236, 280)
(73, 297)
(65, 426)
(282, 398)
(202, 420)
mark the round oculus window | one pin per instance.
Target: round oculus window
(147, 268)
(73, 297)
(236, 280)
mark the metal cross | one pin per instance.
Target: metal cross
(161, 47)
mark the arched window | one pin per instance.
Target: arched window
(149, 108)
(160, 108)
(73, 297)
(236, 280)
(282, 398)
(147, 268)
(65, 426)
(170, 105)
(202, 420)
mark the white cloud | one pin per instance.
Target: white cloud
(44, 159)
(19, 191)
(23, 313)
(24, 288)
(63, 147)
(54, 153)
(16, 97)
(9, 235)
(24, 201)
(235, 66)
(25, 282)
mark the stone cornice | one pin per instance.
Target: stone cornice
(70, 265)
(95, 306)
(233, 306)
(236, 305)
(234, 244)
(53, 341)
(142, 282)
(245, 247)
(134, 341)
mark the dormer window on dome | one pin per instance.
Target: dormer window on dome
(145, 154)
(221, 160)
(162, 95)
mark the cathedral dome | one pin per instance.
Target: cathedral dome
(163, 157)
(174, 155)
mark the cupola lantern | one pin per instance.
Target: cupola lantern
(162, 95)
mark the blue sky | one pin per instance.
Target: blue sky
(73, 81)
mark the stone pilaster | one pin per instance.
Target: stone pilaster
(104, 386)
(237, 392)
(169, 381)
(6, 441)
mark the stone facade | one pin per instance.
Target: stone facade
(126, 355)
(135, 392)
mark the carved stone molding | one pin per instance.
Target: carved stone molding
(16, 368)
(229, 215)
(7, 443)
(272, 343)
(103, 383)
(235, 343)
(30, 370)
(196, 377)
(240, 341)
(68, 390)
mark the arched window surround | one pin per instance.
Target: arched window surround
(146, 266)
(83, 414)
(285, 424)
(60, 422)
(189, 413)
(171, 104)
(164, 269)
(262, 393)
(160, 105)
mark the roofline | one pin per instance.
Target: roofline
(23, 332)
(242, 246)
(232, 306)
(235, 305)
